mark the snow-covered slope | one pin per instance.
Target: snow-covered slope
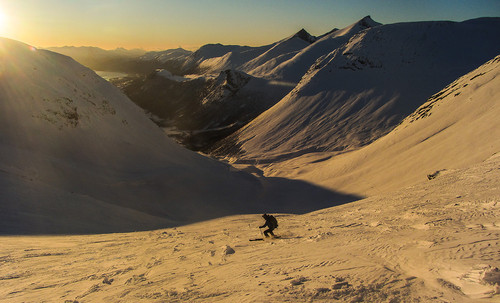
(294, 68)
(362, 89)
(455, 128)
(278, 53)
(436, 242)
(76, 155)
(213, 58)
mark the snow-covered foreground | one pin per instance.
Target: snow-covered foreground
(437, 241)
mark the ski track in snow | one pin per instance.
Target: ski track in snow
(432, 242)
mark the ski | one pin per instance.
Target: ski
(262, 239)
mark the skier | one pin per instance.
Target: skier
(271, 224)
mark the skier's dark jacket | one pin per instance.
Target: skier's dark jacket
(271, 222)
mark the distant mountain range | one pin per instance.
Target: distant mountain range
(135, 61)
(92, 52)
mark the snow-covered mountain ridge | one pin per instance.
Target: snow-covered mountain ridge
(365, 87)
(294, 68)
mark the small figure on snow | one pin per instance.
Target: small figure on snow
(271, 224)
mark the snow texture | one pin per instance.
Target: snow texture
(434, 242)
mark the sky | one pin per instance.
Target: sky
(164, 24)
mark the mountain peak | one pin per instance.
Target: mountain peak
(304, 35)
(368, 22)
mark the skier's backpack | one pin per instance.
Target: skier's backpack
(273, 222)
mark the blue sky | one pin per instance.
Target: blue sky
(161, 24)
